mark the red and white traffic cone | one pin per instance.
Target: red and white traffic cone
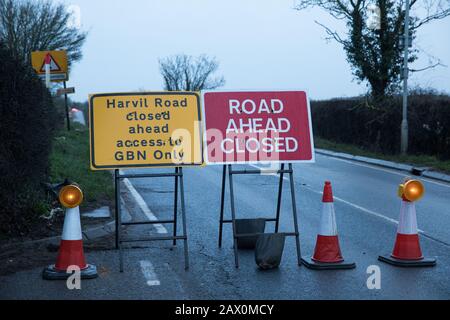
(327, 253)
(407, 251)
(70, 251)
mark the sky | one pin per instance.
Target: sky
(260, 44)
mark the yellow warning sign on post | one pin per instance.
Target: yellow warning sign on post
(58, 64)
(145, 130)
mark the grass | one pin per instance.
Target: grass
(70, 159)
(416, 160)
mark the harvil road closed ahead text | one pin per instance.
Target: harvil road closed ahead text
(245, 127)
(144, 130)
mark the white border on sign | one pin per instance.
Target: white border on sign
(205, 156)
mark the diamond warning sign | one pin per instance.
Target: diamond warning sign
(145, 130)
(58, 64)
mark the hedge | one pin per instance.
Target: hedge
(376, 126)
(27, 120)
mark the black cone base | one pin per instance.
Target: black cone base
(311, 264)
(425, 262)
(50, 273)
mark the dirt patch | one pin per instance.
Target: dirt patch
(35, 250)
(15, 257)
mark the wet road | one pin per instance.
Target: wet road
(367, 210)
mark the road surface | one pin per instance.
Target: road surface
(367, 210)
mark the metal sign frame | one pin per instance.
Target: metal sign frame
(281, 172)
(178, 174)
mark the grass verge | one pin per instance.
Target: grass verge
(70, 159)
(416, 160)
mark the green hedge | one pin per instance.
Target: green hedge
(27, 120)
(376, 126)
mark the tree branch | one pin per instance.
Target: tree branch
(332, 34)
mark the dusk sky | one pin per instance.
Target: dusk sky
(260, 44)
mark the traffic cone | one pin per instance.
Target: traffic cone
(70, 250)
(407, 251)
(327, 253)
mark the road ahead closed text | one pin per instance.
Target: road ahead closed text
(144, 130)
(246, 127)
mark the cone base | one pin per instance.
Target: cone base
(311, 264)
(51, 273)
(425, 262)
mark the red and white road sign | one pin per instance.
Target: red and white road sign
(54, 67)
(257, 127)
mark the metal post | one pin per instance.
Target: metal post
(175, 209)
(222, 204)
(294, 212)
(118, 219)
(67, 108)
(280, 190)
(183, 213)
(233, 216)
(404, 127)
(47, 62)
(117, 205)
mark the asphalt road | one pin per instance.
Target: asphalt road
(367, 209)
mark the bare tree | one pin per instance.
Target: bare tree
(27, 25)
(376, 55)
(182, 72)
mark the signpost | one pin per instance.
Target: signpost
(153, 129)
(52, 66)
(257, 127)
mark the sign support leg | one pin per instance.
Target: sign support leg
(183, 213)
(67, 108)
(280, 191)
(175, 209)
(233, 216)
(179, 192)
(118, 218)
(117, 205)
(294, 212)
(222, 204)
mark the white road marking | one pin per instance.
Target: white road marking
(368, 211)
(149, 273)
(145, 209)
(375, 167)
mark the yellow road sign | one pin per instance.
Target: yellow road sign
(58, 64)
(145, 130)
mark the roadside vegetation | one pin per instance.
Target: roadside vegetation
(28, 118)
(361, 127)
(374, 43)
(32, 120)
(416, 160)
(69, 159)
